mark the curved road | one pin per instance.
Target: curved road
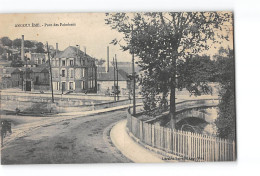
(79, 140)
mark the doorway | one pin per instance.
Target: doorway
(28, 86)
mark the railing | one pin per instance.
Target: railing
(188, 145)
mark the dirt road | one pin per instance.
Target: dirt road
(79, 140)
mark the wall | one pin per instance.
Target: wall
(105, 84)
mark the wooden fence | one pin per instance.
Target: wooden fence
(188, 145)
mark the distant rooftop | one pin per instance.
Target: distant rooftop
(72, 52)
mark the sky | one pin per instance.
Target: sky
(90, 32)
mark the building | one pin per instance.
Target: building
(105, 78)
(74, 70)
(106, 81)
(36, 58)
(27, 79)
(6, 77)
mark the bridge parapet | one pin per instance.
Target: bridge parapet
(188, 145)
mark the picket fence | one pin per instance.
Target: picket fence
(188, 145)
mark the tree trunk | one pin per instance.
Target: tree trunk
(172, 95)
(172, 108)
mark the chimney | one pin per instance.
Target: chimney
(57, 48)
(107, 67)
(22, 48)
(85, 50)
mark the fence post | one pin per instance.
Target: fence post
(141, 130)
(152, 135)
(234, 150)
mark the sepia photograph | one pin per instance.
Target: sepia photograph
(141, 87)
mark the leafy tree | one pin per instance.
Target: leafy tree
(225, 75)
(6, 41)
(39, 47)
(195, 73)
(28, 44)
(17, 43)
(163, 41)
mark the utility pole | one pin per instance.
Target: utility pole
(133, 73)
(50, 72)
(117, 92)
(114, 79)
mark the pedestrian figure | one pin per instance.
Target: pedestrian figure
(5, 127)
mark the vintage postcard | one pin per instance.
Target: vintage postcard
(117, 87)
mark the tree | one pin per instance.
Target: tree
(6, 41)
(39, 47)
(163, 41)
(225, 75)
(17, 43)
(28, 44)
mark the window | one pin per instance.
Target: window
(71, 73)
(83, 62)
(83, 72)
(83, 84)
(71, 85)
(71, 62)
(63, 63)
(63, 73)
(37, 80)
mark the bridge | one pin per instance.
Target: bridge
(185, 109)
(188, 145)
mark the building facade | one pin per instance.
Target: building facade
(74, 70)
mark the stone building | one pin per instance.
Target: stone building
(36, 58)
(74, 70)
(106, 81)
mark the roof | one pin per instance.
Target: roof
(38, 55)
(40, 70)
(72, 52)
(8, 70)
(126, 69)
(35, 69)
(122, 76)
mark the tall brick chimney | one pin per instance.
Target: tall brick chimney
(57, 48)
(22, 48)
(85, 50)
(107, 65)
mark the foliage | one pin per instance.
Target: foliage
(39, 47)
(6, 41)
(194, 73)
(164, 42)
(17, 43)
(28, 44)
(226, 121)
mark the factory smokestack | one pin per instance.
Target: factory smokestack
(22, 48)
(85, 50)
(107, 66)
(57, 48)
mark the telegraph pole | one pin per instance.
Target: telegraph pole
(133, 73)
(117, 93)
(50, 72)
(114, 79)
